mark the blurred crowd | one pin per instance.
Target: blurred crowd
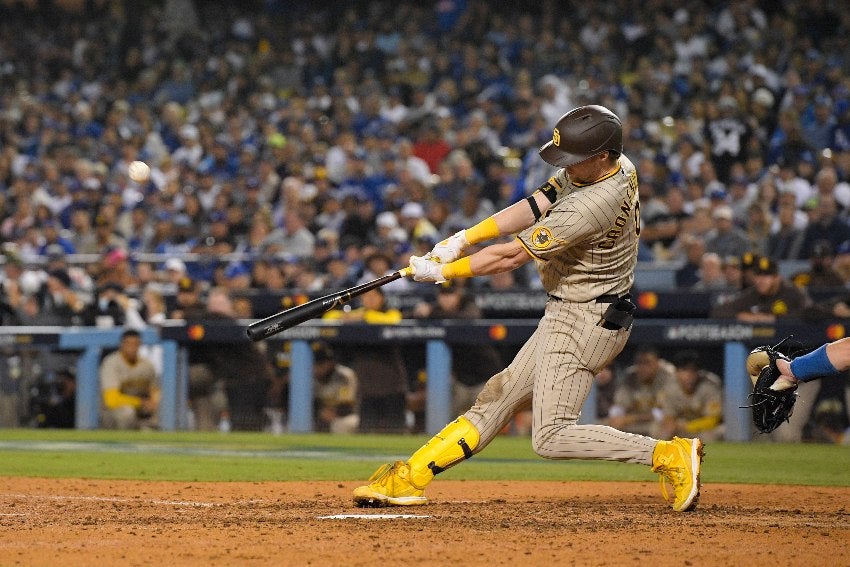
(290, 141)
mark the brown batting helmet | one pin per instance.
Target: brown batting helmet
(582, 133)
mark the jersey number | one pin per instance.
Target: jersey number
(637, 218)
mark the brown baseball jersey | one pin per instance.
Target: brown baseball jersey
(586, 243)
(705, 401)
(788, 301)
(585, 248)
(700, 411)
(131, 379)
(636, 397)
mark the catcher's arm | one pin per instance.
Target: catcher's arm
(829, 359)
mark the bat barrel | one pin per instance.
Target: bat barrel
(278, 322)
(287, 319)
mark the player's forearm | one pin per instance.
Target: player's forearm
(509, 220)
(839, 354)
(520, 215)
(827, 360)
(494, 259)
(749, 317)
(113, 398)
(702, 423)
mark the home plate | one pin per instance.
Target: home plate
(370, 516)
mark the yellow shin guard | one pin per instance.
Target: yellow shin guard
(454, 443)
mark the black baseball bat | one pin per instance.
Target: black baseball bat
(274, 324)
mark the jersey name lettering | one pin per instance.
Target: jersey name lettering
(626, 208)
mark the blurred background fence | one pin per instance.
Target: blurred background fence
(724, 345)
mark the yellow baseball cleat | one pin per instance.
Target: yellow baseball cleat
(679, 461)
(390, 486)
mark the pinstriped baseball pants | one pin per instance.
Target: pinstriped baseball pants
(553, 373)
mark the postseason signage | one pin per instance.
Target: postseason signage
(712, 332)
(657, 332)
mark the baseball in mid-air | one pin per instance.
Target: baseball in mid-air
(139, 171)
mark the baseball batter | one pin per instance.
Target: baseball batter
(581, 228)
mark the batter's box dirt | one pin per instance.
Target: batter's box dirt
(98, 522)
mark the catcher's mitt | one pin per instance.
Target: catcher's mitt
(771, 408)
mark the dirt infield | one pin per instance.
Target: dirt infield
(98, 522)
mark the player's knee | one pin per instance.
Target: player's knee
(543, 442)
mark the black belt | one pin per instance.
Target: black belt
(612, 298)
(619, 315)
(607, 298)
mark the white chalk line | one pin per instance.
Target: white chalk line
(161, 449)
(188, 503)
(194, 504)
(371, 517)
